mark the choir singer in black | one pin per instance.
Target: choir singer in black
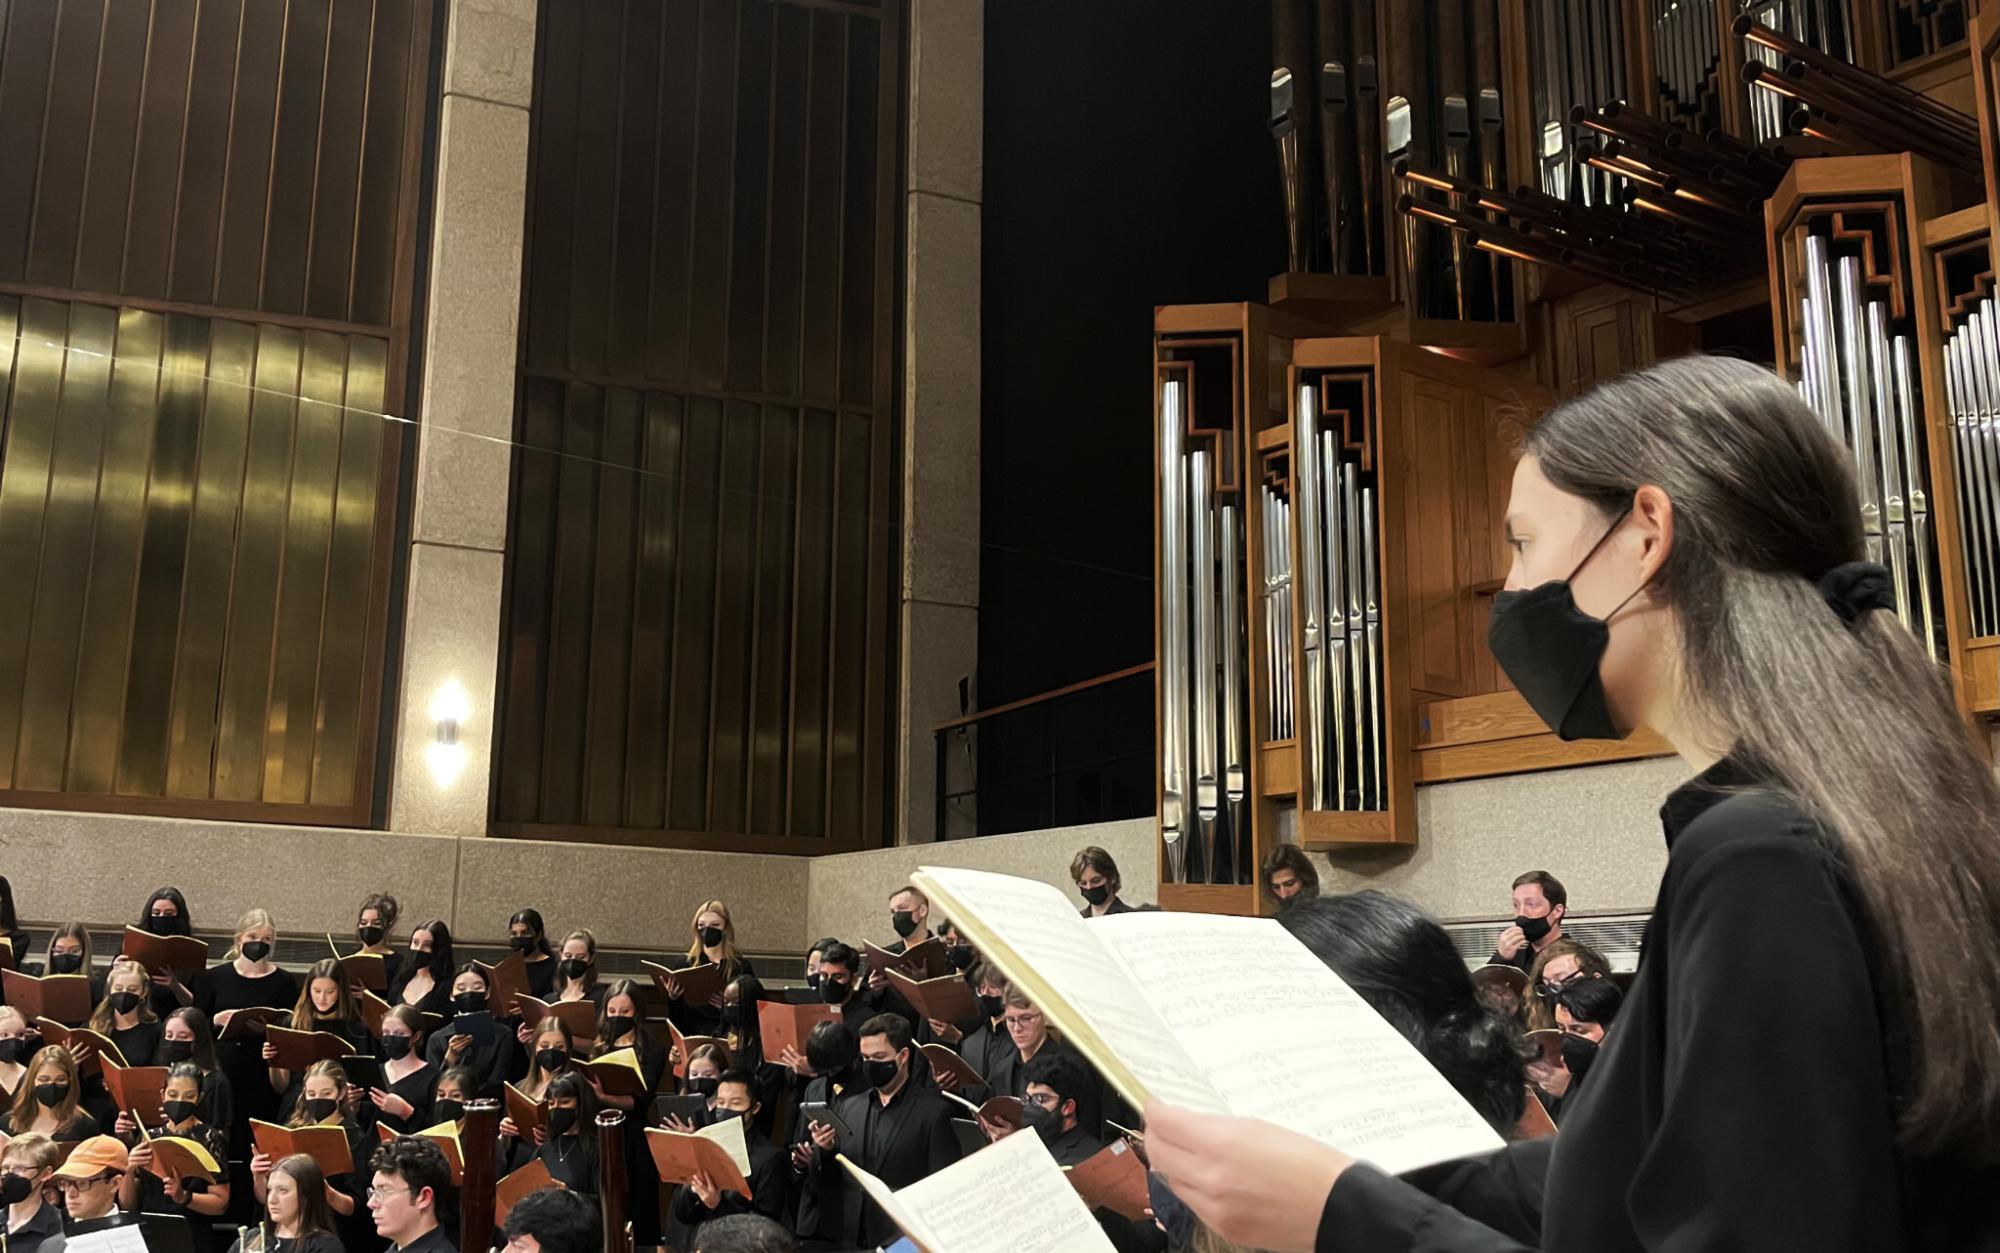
(1807, 1059)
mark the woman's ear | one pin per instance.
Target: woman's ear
(1653, 516)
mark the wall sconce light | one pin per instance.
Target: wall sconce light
(444, 755)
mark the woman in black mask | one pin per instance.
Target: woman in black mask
(576, 969)
(323, 1101)
(186, 1036)
(125, 1017)
(711, 942)
(69, 954)
(193, 1198)
(166, 913)
(15, 1050)
(619, 1027)
(1807, 1057)
(403, 1103)
(570, 1149)
(51, 1099)
(493, 1062)
(246, 978)
(528, 937)
(457, 1087)
(423, 981)
(375, 929)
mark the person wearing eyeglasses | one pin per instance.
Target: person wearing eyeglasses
(411, 1176)
(89, 1179)
(27, 1173)
(1028, 1029)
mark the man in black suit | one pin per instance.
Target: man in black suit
(897, 1129)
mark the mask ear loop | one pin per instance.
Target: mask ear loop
(1578, 568)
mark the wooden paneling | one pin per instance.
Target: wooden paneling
(247, 156)
(697, 638)
(190, 512)
(1430, 459)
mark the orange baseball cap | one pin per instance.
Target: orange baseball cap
(93, 1157)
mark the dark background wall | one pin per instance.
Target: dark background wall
(1126, 166)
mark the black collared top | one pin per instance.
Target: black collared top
(30, 1235)
(1746, 1097)
(432, 1241)
(899, 1143)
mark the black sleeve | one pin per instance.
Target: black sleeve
(943, 1148)
(1370, 1210)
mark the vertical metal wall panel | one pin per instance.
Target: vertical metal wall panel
(24, 494)
(653, 599)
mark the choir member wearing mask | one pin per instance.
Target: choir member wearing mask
(1555, 968)
(702, 1201)
(839, 968)
(1541, 904)
(125, 1017)
(619, 1026)
(297, 1217)
(188, 1037)
(813, 956)
(902, 1130)
(965, 960)
(404, 1105)
(324, 1004)
(834, 1061)
(195, 1199)
(166, 913)
(1584, 1009)
(10, 927)
(987, 1045)
(1028, 1032)
(375, 928)
(423, 981)
(576, 969)
(457, 1088)
(1406, 967)
(27, 1170)
(712, 942)
(528, 937)
(1054, 1082)
(69, 954)
(494, 1061)
(323, 1101)
(550, 1058)
(247, 978)
(1096, 877)
(51, 1101)
(704, 1070)
(14, 1052)
(743, 1032)
(570, 1148)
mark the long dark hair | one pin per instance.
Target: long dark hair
(1406, 967)
(8, 922)
(183, 925)
(749, 1048)
(1857, 723)
(532, 919)
(441, 959)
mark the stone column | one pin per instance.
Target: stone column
(458, 532)
(940, 568)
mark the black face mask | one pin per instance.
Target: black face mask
(320, 1108)
(1097, 895)
(704, 1086)
(880, 1074)
(395, 1047)
(51, 1094)
(172, 1051)
(15, 1189)
(573, 967)
(812, 980)
(1551, 651)
(960, 957)
(833, 991)
(469, 1002)
(905, 923)
(417, 959)
(522, 943)
(1578, 1054)
(10, 1051)
(1533, 928)
(163, 924)
(124, 1002)
(256, 951)
(448, 1110)
(1043, 1120)
(616, 1026)
(711, 937)
(561, 1121)
(370, 936)
(65, 963)
(178, 1111)
(551, 1060)
(992, 1006)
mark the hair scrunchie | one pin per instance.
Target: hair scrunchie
(1856, 587)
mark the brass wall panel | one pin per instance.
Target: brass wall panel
(35, 382)
(705, 647)
(240, 156)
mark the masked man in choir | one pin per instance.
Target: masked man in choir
(1055, 1082)
(1540, 905)
(899, 1130)
(703, 1200)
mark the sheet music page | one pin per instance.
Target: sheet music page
(729, 1134)
(1036, 922)
(1009, 1197)
(128, 1239)
(1283, 1038)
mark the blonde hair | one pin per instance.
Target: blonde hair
(250, 921)
(331, 1070)
(35, 1149)
(23, 1113)
(731, 959)
(102, 1019)
(590, 971)
(8, 1011)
